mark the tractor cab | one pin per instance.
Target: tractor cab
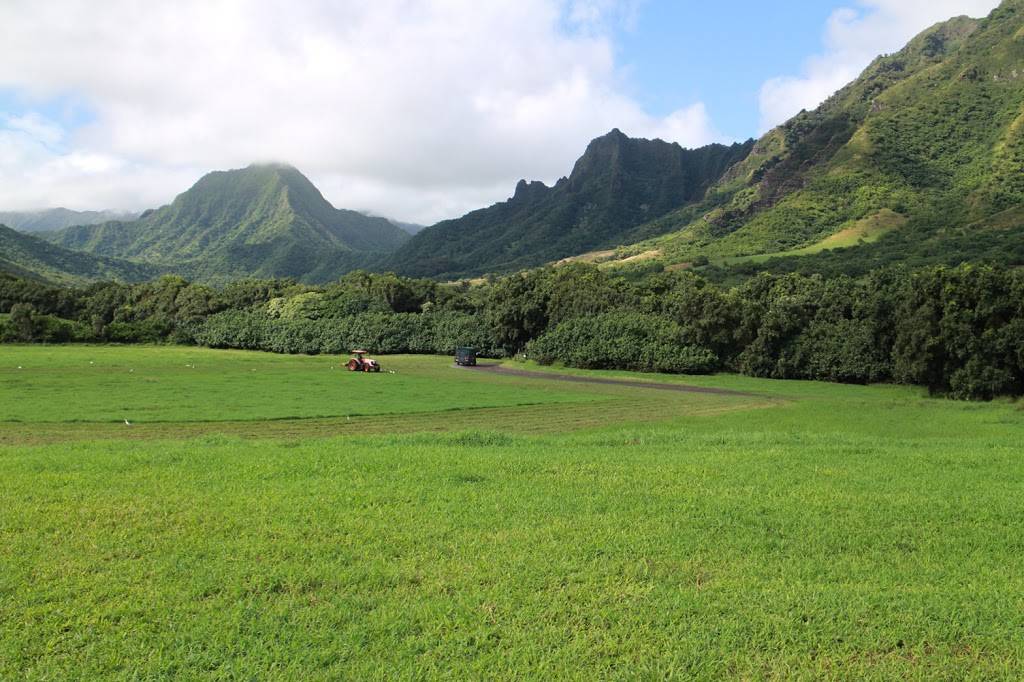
(360, 363)
(465, 356)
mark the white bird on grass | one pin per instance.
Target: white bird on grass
(127, 423)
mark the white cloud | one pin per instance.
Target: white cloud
(690, 127)
(409, 109)
(35, 128)
(853, 38)
(597, 15)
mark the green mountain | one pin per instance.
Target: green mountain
(25, 255)
(59, 218)
(617, 184)
(263, 221)
(921, 159)
(411, 228)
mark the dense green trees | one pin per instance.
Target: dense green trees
(958, 331)
(623, 340)
(434, 332)
(961, 332)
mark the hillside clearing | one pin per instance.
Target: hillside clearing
(867, 230)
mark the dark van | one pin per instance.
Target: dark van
(465, 356)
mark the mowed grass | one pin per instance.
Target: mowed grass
(178, 384)
(836, 532)
(66, 393)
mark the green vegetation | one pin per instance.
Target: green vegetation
(25, 255)
(960, 332)
(622, 340)
(835, 532)
(58, 218)
(264, 221)
(867, 230)
(617, 184)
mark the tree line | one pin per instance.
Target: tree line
(959, 331)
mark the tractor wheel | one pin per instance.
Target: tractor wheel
(353, 365)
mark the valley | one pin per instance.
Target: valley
(676, 405)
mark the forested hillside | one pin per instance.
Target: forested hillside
(29, 256)
(922, 155)
(265, 220)
(618, 183)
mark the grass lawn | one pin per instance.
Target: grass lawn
(177, 384)
(474, 525)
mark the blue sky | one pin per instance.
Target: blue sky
(680, 51)
(414, 109)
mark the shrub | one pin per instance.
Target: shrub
(379, 332)
(622, 340)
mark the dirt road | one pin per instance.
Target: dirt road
(655, 386)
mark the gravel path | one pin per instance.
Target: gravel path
(655, 386)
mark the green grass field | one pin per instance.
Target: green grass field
(270, 517)
(176, 385)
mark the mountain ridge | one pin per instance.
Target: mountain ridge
(616, 184)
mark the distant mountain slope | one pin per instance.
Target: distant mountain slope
(59, 218)
(617, 184)
(411, 228)
(25, 255)
(929, 141)
(265, 220)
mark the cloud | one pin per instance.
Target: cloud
(853, 38)
(35, 128)
(415, 110)
(600, 15)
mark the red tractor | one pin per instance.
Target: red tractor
(362, 364)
